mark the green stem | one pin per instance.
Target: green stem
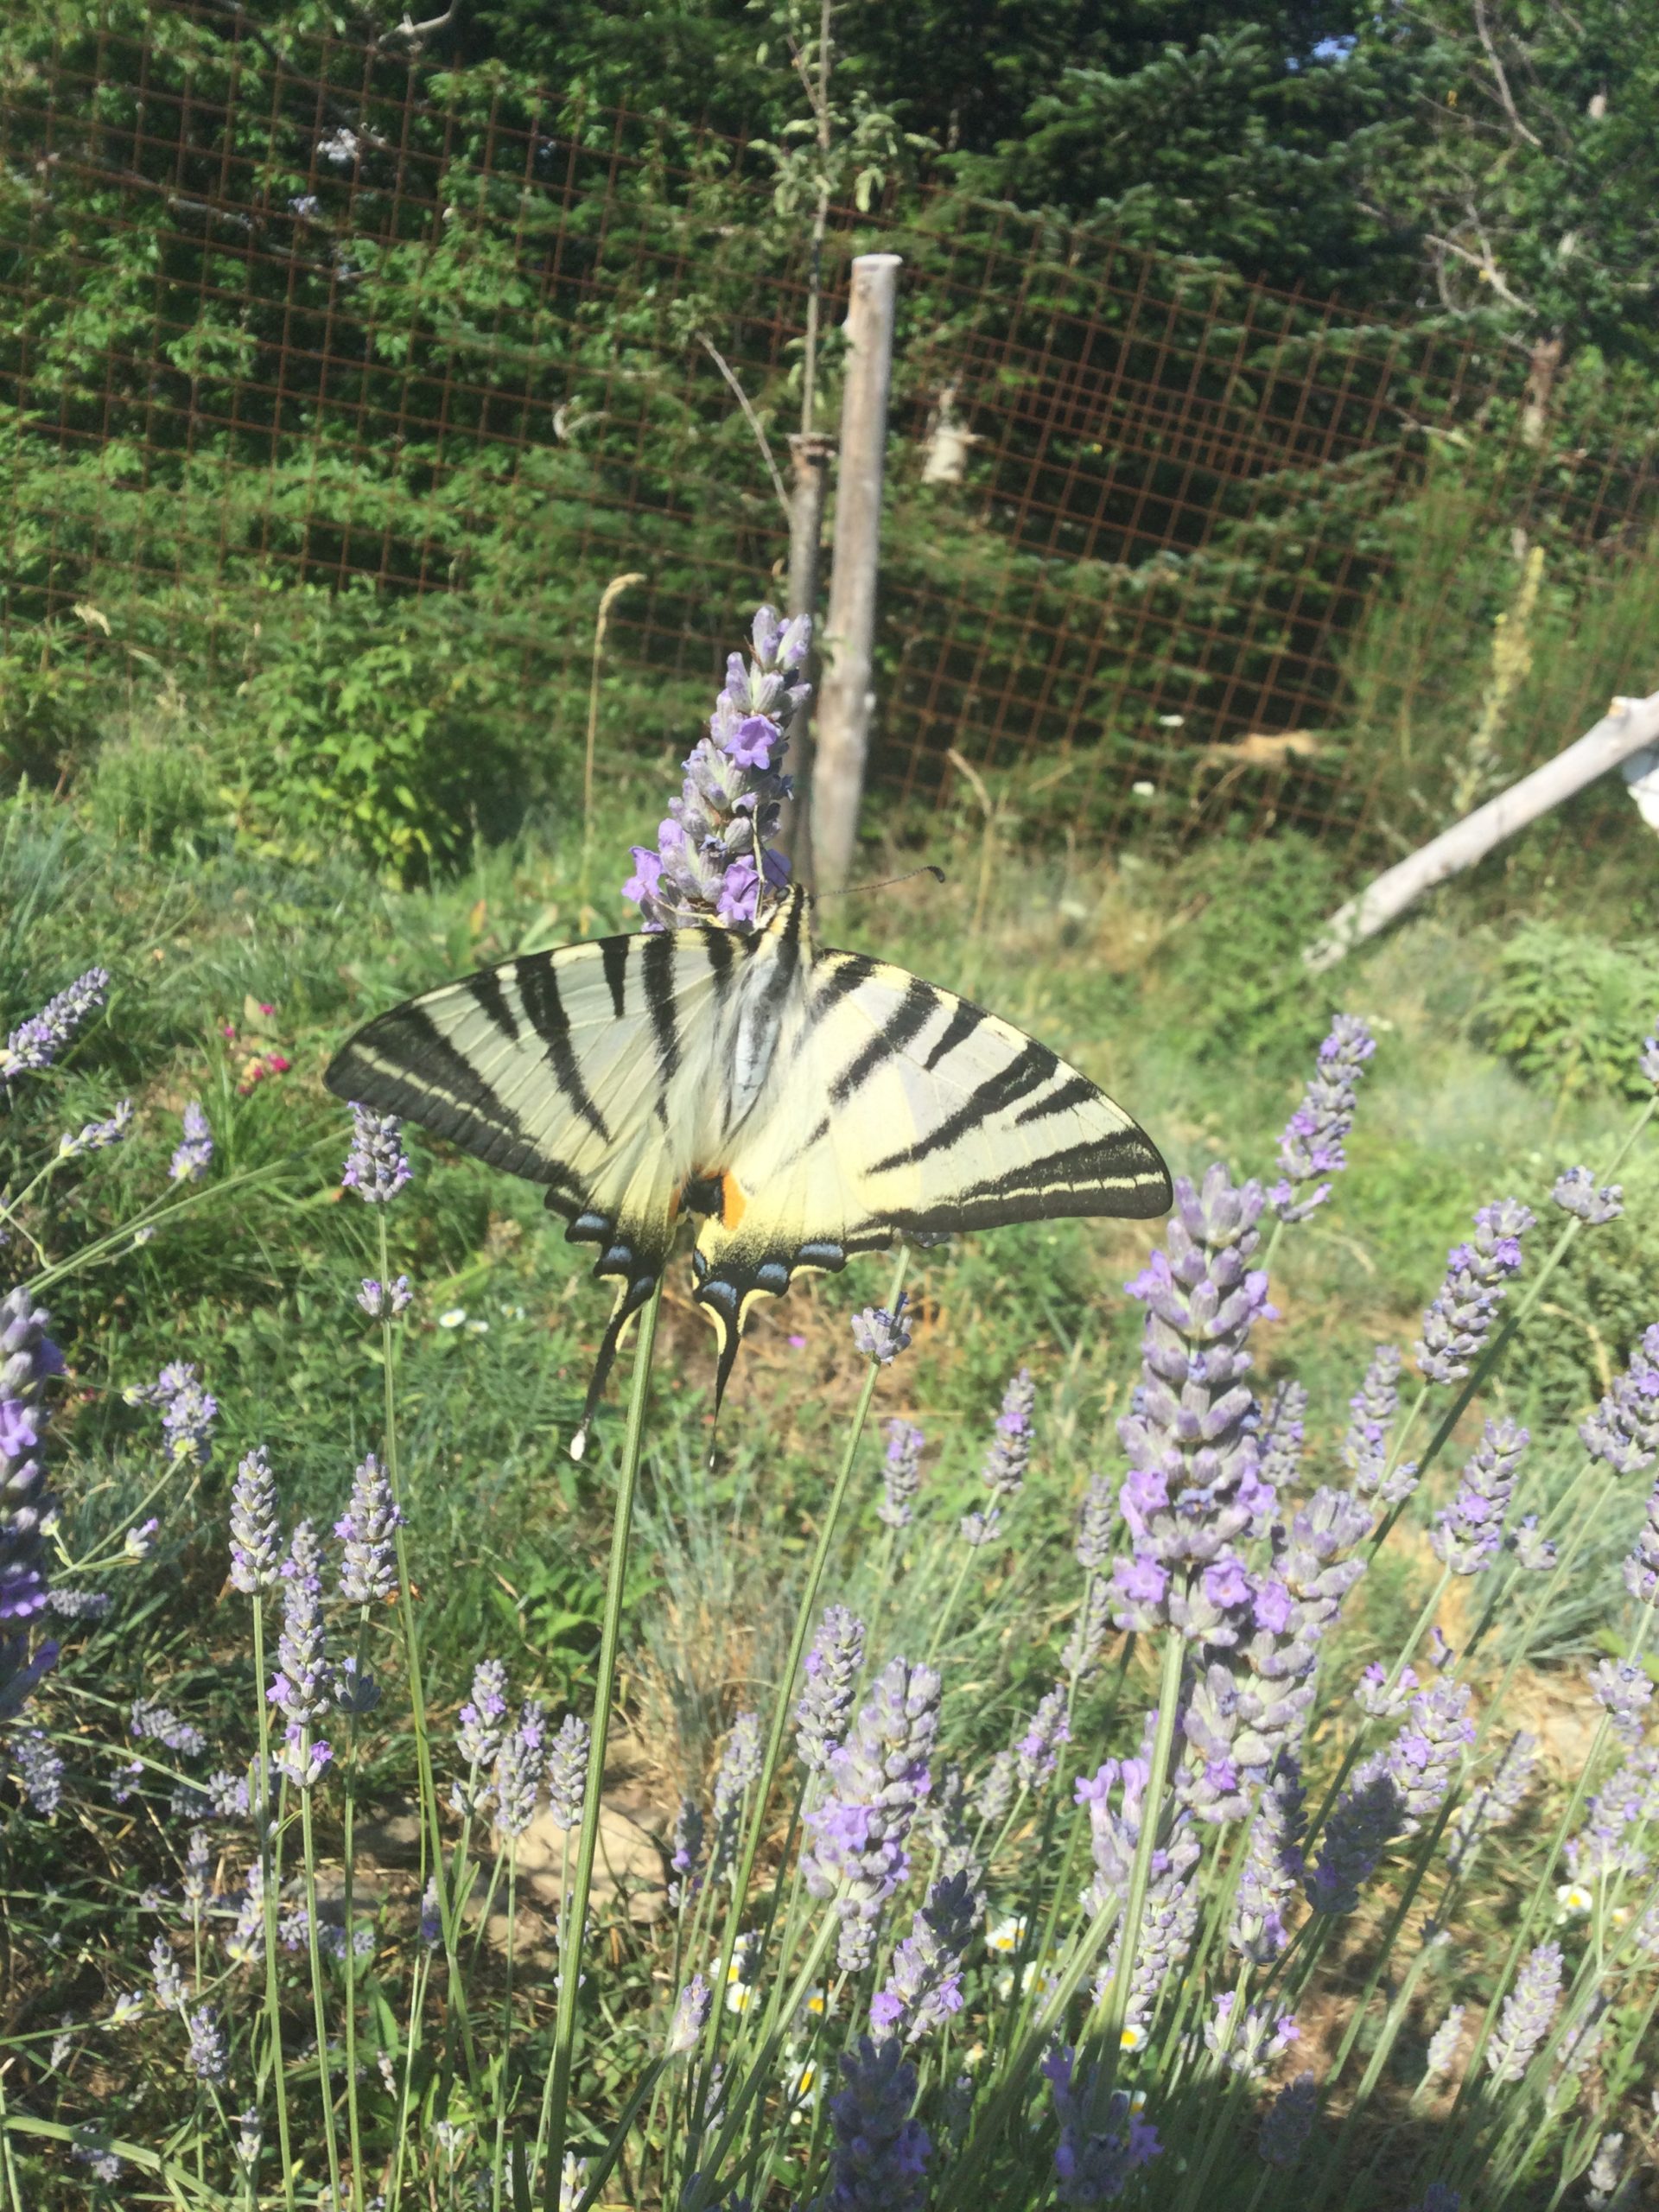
(319, 2009)
(268, 1873)
(348, 1958)
(564, 2033)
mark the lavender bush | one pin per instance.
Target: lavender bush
(1200, 1913)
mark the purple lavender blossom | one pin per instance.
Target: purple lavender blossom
(826, 1701)
(1493, 1803)
(1604, 2180)
(1382, 1695)
(690, 2018)
(1535, 1553)
(36, 1042)
(1312, 1145)
(881, 1336)
(304, 1684)
(567, 1771)
(1468, 1534)
(256, 1540)
(1365, 1447)
(901, 1475)
(1289, 2122)
(368, 1530)
(924, 1984)
(1624, 1430)
(1272, 1866)
(1193, 1486)
(1392, 1793)
(1007, 1460)
(715, 862)
(1623, 1689)
(377, 1166)
(188, 1411)
(376, 1299)
(1093, 2164)
(994, 1798)
(245, 1944)
(1642, 1564)
(1036, 1753)
(1527, 2010)
(880, 2153)
(878, 1780)
(1607, 1845)
(81, 1604)
(1364, 1821)
(477, 1738)
(1279, 1440)
(1116, 1796)
(1576, 1193)
(1443, 2045)
(28, 1359)
(515, 1776)
(1097, 1521)
(168, 1982)
(39, 1768)
(1457, 1324)
(1081, 1654)
(194, 1155)
(688, 1849)
(98, 1136)
(149, 1720)
(209, 2060)
(740, 1770)
(91, 2148)
(357, 1694)
(301, 1757)
(1252, 2043)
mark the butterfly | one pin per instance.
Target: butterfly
(807, 1104)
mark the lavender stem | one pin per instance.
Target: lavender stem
(271, 1873)
(564, 2033)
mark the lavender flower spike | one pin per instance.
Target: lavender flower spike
(98, 1136)
(377, 1300)
(1312, 1145)
(1289, 2122)
(826, 1701)
(715, 863)
(1006, 1462)
(878, 1779)
(740, 1770)
(303, 1684)
(368, 1529)
(1365, 1447)
(1623, 1689)
(377, 1166)
(690, 2015)
(34, 1044)
(1272, 1866)
(1624, 1430)
(1093, 2162)
(923, 1988)
(881, 1336)
(901, 1475)
(1527, 2010)
(881, 2153)
(567, 1771)
(1468, 1534)
(516, 1777)
(194, 1156)
(1642, 1567)
(1037, 1754)
(1457, 1324)
(28, 1359)
(188, 1411)
(1576, 1193)
(256, 1541)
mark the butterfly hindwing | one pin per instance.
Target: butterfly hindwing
(899, 1107)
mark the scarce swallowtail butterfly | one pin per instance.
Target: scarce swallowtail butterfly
(808, 1104)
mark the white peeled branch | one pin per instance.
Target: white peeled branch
(1629, 727)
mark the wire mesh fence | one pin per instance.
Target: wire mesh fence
(313, 357)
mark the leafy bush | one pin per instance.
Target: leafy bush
(1567, 1007)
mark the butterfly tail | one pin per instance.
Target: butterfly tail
(630, 1298)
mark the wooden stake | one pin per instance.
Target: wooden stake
(848, 696)
(1628, 725)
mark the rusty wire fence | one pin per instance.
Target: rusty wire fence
(305, 347)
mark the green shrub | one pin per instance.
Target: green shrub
(1567, 1010)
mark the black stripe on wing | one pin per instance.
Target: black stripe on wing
(908, 1019)
(402, 1065)
(1027, 1072)
(538, 990)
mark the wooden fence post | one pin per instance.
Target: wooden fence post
(848, 696)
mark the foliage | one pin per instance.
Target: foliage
(1565, 1005)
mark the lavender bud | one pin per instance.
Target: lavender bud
(826, 1702)
(1289, 2122)
(1038, 1752)
(1087, 1640)
(1457, 1324)
(188, 1411)
(923, 1985)
(151, 1721)
(209, 2060)
(878, 1779)
(193, 1157)
(1365, 1447)
(377, 1166)
(170, 1991)
(567, 1771)
(516, 1777)
(245, 1944)
(1272, 1866)
(1009, 1456)
(368, 1530)
(1624, 1430)
(690, 2017)
(98, 1136)
(1312, 1145)
(1468, 1534)
(1603, 2182)
(303, 1686)
(880, 2153)
(1096, 2154)
(39, 1771)
(1575, 1192)
(1250, 2044)
(1438, 2196)
(881, 1336)
(1527, 2010)
(1623, 1689)
(1642, 1566)
(1096, 1525)
(995, 1795)
(688, 1849)
(740, 1770)
(299, 1762)
(36, 1042)
(1494, 1803)
(1280, 1441)
(901, 1474)
(256, 1541)
(1443, 2046)
(1535, 1553)
(478, 1736)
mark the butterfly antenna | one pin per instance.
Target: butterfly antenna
(887, 883)
(631, 1296)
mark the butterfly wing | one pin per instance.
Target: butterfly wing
(579, 1068)
(896, 1106)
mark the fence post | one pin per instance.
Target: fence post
(848, 696)
(810, 452)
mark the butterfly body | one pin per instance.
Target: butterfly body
(809, 1104)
